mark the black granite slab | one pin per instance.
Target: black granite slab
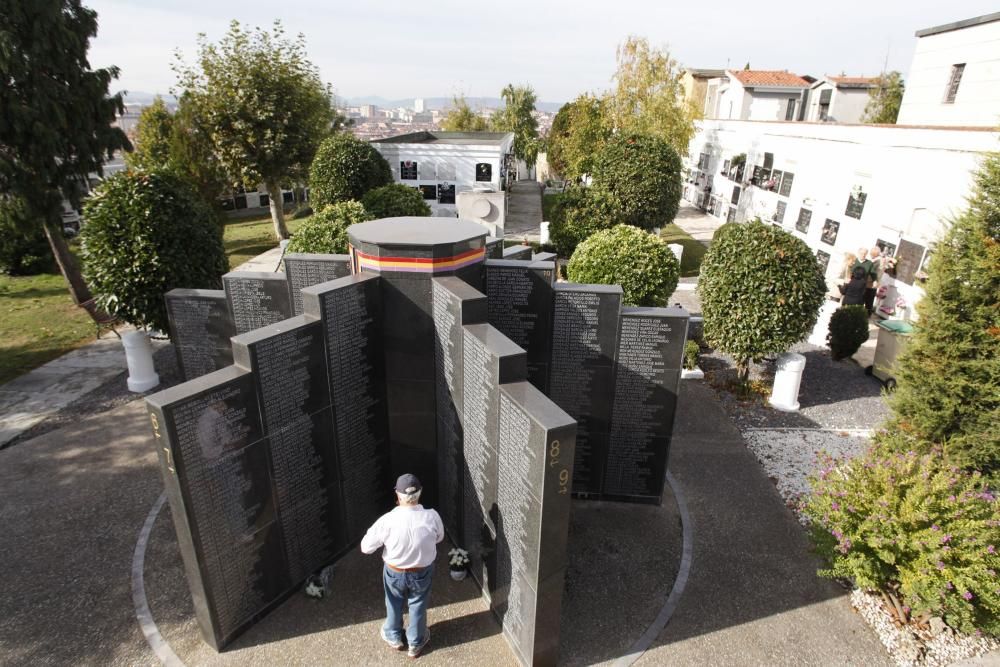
(544, 257)
(201, 325)
(305, 270)
(535, 470)
(214, 461)
(584, 344)
(256, 299)
(350, 312)
(520, 306)
(455, 304)
(647, 378)
(494, 248)
(489, 359)
(517, 252)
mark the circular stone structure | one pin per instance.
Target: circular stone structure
(433, 246)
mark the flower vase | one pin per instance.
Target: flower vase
(458, 575)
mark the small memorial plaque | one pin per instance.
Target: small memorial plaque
(802, 224)
(786, 184)
(517, 252)
(305, 270)
(256, 299)
(200, 328)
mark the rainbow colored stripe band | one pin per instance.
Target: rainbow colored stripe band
(420, 264)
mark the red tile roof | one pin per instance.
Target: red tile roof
(769, 78)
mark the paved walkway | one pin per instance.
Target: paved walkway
(700, 226)
(73, 501)
(524, 210)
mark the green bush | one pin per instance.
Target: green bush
(723, 229)
(848, 331)
(643, 174)
(691, 351)
(761, 289)
(924, 533)
(578, 214)
(949, 376)
(395, 200)
(145, 234)
(640, 262)
(326, 231)
(345, 168)
(24, 250)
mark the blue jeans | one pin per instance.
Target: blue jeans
(413, 588)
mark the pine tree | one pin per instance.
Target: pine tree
(949, 376)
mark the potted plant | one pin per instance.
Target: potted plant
(458, 563)
(691, 370)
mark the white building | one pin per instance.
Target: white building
(442, 164)
(955, 75)
(418, 105)
(756, 95)
(840, 187)
(838, 99)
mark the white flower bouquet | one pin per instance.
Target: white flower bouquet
(458, 559)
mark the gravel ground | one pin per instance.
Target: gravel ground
(840, 408)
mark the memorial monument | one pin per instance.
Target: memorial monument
(504, 391)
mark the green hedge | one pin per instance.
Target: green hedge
(24, 250)
(395, 200)
(848, 331)
(345, 168)
(147, 233)
(761, 289)
(579, 213)
(640, 262)
(643, 174)
(326, 232)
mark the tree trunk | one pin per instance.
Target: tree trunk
(277, 210)
(67, 266)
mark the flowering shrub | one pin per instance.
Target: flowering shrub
(923, 533)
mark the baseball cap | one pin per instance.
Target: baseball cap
(408, 484)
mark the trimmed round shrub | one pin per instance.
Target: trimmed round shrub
(345, 168)
(326, 232)
(147, 233)
(723, 229)
(624, 255)
(761, 289)
(24, 250)
(394, 200)
(911, 526)
(848, 331)
(643, 174)
(579, 213)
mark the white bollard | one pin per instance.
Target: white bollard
(678, 251)
(543, 232)
(139, 357)
(785, 394)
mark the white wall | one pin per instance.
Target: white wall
(978, 100)
(914, 179)
(461, 158)
(848, 104)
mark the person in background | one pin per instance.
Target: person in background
(874, 274)
(409, 535)
(854, 291)
(850, 259)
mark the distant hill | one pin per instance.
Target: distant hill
(439, 103)
(140, 97)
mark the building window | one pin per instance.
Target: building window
(956, 79)
(790, 110)
(484, 171)
(824, 104)
(407, 171)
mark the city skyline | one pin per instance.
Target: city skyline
(452, 48)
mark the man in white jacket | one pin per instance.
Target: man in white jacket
(409, 535)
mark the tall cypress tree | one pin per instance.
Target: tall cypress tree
(949, 377)
(55, 115)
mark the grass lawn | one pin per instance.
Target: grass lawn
(245, 238)
(694, 251)
(38, 322)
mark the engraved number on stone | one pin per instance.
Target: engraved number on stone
(554, 453)
(564, 481)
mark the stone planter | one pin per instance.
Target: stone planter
(693, 374)
(139, 356)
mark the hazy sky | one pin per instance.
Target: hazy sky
(439, 48)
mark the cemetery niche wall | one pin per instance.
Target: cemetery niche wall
(308, 391)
